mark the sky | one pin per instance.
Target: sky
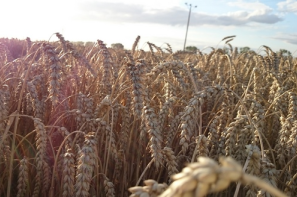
(254, 22)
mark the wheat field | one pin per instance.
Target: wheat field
(94, 121)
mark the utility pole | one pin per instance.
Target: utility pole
(190, 5)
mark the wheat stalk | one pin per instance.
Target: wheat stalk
(85, 167)
(23, 178)
(206, 176)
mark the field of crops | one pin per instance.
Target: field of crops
(94, 121)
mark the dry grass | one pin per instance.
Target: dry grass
(78, 121)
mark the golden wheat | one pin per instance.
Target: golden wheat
(94, 121)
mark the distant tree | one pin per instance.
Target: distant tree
(284, 52)
(244, 49)
(191, 49)
(226, 50)
(117, 46)
(79, 43)
(14, 46)
(89, 44)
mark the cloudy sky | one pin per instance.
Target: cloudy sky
(254, 22)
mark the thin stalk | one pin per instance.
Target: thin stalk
(15, 131)
(146, 168)
(51, 192)
(247, 161)
(250, 179)
(109, 145)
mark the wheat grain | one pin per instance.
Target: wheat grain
(232, 132)
(153, 130)
(55, 73)
(152, 189)
(135, 44)
(170, 161)
(68, 174)
(41, 142)
(4, 51)
(109, 187)
(85, 167)
(206, 176)
(268, 174)
(23, 178)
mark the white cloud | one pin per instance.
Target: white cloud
(288, 6)
(288, 38)
(249, 5)
(129, 13)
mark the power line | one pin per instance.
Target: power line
(189, 16)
